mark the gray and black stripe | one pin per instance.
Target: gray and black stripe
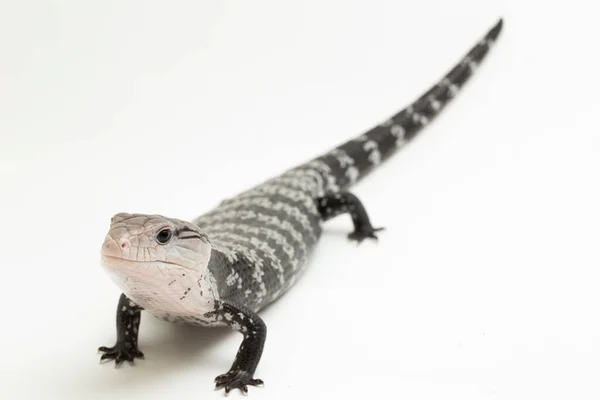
(355, 158)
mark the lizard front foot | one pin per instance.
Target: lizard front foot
(236, 379)
(120, 352)
(363, 233)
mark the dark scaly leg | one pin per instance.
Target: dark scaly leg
(333, 205)
(254, 330)
(128, 323)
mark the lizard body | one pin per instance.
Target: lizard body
(223, 267)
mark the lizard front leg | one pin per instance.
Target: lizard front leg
(333, 205)
(128, 323)
(248, 356)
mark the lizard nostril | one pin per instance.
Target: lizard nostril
(114, 248)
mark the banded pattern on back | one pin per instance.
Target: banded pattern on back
(266, 234)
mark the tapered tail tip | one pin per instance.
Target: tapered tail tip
(495, 31)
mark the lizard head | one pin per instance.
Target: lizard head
(153, 249)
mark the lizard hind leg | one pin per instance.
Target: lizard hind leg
(332, 205)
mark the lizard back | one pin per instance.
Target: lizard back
(262, 238)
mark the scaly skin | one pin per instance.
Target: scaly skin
(225, 266)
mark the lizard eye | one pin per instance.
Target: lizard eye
(164, 236)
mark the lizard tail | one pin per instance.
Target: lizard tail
(352, 160)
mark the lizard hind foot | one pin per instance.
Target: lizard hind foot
(236, 379)
(120, 352)
(363, 233)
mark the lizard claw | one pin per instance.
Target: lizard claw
(363, 233)
(236, 379)
(120, 352)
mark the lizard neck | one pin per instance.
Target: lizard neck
(165, 291)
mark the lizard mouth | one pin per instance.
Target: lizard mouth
(120, 263)
(126, 273)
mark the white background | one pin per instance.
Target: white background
(485, 284)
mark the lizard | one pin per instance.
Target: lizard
(225, 266)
